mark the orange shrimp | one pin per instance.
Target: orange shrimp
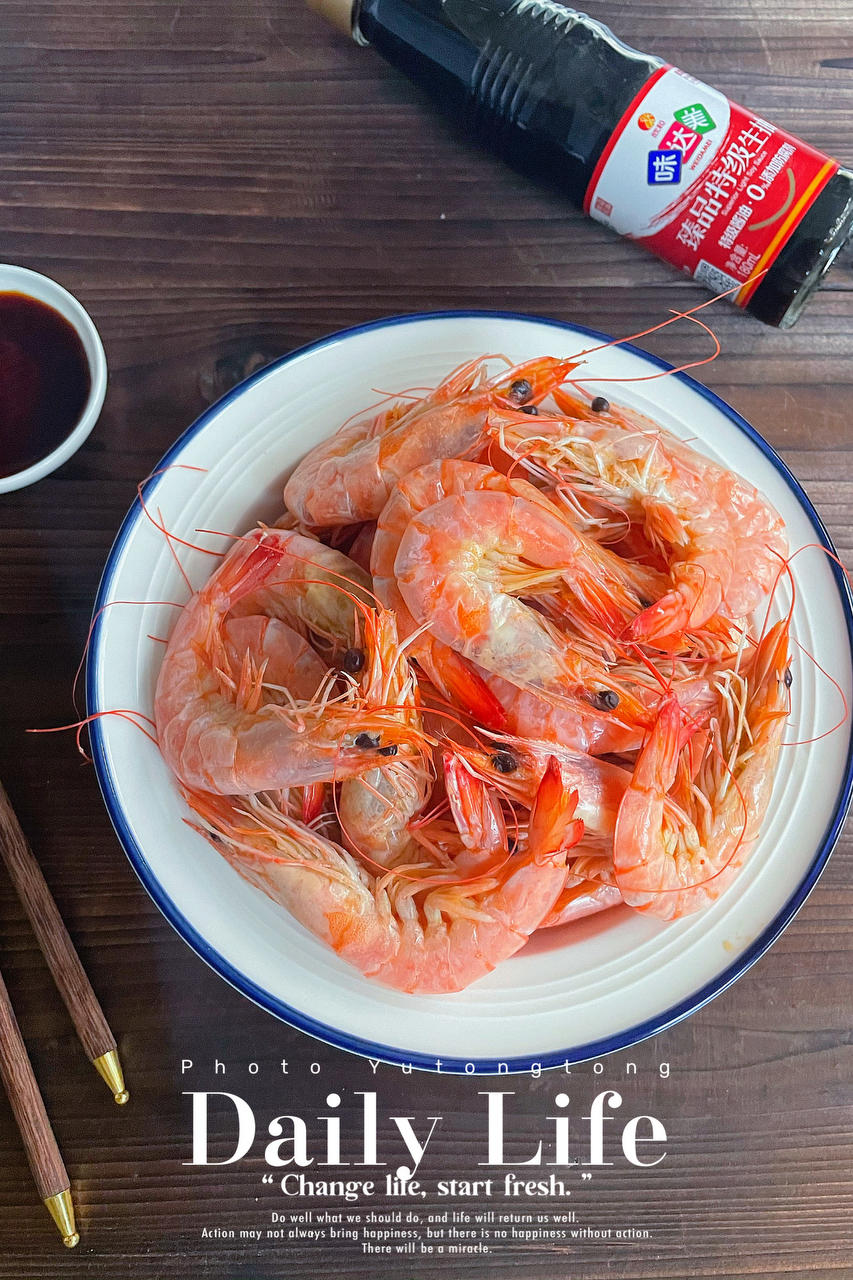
(271, 657)
(375, 809)
(515, 768)
(275, 664)
(721, 540)
(447, 671)
(459, 566)
(478, 820)
(314, 588)
(416, 927)
(584, 724)
(683, 833)
(218, 736)
(581, 897)
(349, 477)
(597, 616)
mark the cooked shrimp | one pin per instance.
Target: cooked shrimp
(268, 661)
(375, 809)
(447, 671)
(459, 563)
(216, 736)
(416, 927)
(314, 588)
(597, 617)
(721, 540)
(348, 478)
(573, 722)
(581, 898)
(273, 658)
(478, 820)
(682, 834)
(515, 768)
(585, 724)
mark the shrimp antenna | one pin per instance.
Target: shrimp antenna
(676, 315)
(140, 493)
(172, 604)
(124, 713)
(818, 546)
(663, 373)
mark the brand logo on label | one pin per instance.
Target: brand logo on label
(696, 117)
(704, 183)
(664, 167)
(679, 137)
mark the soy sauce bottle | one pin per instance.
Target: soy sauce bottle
(659, 157)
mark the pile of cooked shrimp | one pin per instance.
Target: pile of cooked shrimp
(493, 670)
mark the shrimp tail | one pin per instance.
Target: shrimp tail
(551, 829)
(244, 573)
(468, 688)
(690, 602)
(772, 655)
(475, 810)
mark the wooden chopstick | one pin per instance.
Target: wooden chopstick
(49, 1172)
(58, 950)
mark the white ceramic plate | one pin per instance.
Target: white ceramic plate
(572, 993)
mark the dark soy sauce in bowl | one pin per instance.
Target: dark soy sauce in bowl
(44, 381)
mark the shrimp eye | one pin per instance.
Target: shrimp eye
(600, 405)
(788, 677)
(605, 700)
(388, 751)
(531, 409)
(520, 391)
(504, 762)
(370, 740)
(353, 661)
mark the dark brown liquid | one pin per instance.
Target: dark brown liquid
(44, 381)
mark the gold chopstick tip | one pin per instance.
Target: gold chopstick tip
(61, 1209)
(109, 1068)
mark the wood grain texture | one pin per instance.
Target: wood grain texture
(52, 936)
(219, 183)
(27, 1105)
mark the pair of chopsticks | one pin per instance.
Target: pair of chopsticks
(49, 1172)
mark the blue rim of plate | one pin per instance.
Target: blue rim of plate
(388, 1053)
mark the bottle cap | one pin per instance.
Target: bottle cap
(338, 12)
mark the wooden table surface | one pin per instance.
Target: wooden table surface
(220, 182)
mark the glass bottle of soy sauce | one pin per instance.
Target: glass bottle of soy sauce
(732, 200)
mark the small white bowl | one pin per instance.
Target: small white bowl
(43, 289)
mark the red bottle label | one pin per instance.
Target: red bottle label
(704, 183)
